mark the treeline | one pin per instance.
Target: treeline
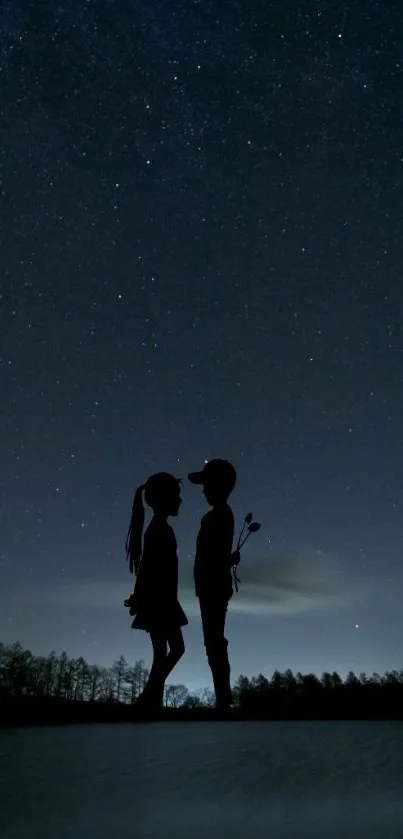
(23, 674)
(59, 688)
(289, 696)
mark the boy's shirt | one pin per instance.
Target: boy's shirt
(212, 567)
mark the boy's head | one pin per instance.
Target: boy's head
(218, 478)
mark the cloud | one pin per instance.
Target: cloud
(291, 583)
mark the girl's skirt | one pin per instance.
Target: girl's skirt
(163, 618)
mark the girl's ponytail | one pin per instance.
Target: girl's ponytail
(135, 532)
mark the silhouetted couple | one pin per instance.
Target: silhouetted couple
(154, 602)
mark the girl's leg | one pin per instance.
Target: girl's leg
(152, 694)
(162, 666)
(176, 650)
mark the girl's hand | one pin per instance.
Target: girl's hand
(129, 603)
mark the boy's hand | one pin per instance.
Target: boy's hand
(235, 558)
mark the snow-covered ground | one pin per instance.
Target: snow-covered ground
(210, 780)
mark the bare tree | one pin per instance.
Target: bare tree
(207, 697)
(105, 684)
(193, 701)
(50, 669)
(18, 670)
(136, 679)
(120, 672)
(81, 680)
(62, 666)
(175, 695)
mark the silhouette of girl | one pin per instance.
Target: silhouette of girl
(154, 602)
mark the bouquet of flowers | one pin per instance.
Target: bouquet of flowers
(252, 527)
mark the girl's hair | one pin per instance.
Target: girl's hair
(156, 489)
(135, 532)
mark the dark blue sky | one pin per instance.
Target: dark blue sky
(201, 250)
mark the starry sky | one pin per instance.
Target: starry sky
(201, 228)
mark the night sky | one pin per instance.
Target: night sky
(201, 250)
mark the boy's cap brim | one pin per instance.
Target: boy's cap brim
(196, 477)
(216, 470)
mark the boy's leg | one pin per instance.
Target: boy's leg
(213, 616)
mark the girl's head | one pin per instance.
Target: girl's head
(162, 493)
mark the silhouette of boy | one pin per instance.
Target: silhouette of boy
(212, 570)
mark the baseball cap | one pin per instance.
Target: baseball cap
(215, 471)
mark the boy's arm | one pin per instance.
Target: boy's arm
(223, 539)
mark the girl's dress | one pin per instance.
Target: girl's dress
(155, 597)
